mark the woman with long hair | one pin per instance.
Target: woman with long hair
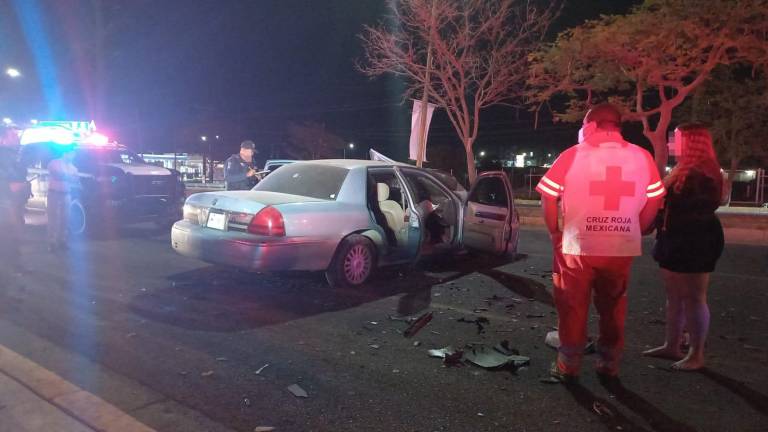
(689, 241)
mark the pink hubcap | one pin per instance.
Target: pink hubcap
(357, 264)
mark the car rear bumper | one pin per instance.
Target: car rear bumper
(251, 252)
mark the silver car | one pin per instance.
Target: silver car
(347, 218)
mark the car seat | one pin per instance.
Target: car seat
(392, 211)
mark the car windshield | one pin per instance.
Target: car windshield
(305, 179)
(100, 156)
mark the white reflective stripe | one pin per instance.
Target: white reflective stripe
(547, 190)
(655, 185)
(551, 183)
(655, 194)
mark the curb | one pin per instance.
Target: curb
(83, 406)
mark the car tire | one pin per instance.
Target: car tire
(79, 222)
(353, 264)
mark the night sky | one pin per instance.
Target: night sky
(159, 74)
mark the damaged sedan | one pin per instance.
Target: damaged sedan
(347, 218)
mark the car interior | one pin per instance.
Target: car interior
(389, 205)
(437, 209)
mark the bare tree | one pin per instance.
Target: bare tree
(478, 48)
(311, 140)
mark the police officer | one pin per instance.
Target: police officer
(610, 191)
(238, 169)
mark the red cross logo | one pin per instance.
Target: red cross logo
(612, 188)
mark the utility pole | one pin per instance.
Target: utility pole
(425, 94)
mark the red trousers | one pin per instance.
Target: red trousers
(580, 280)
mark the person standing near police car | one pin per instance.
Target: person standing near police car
(13, 178)
(609, 191)
(238, 169)
(63, 184)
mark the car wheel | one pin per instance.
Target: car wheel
(353, 264)
(78, 218)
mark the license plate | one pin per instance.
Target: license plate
(216, 221)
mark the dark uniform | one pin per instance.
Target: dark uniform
(235, 174)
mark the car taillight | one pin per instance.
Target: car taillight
(192, 214)
(267, 222)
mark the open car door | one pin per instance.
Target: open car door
(491, 223)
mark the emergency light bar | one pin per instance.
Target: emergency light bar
(63, 133)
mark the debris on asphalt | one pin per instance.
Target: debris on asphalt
(753, 348)
(534, 315)
(246, 402)
(480, 309)
(442, 352)
(601, 409)
(297, 391)
(130, 335)
(221, 359)
(495, 357)
(416, 343)
(657, 321)
(374, 346)
(480, 322)
(399, 318)
(417, 325)
(259, 370)
(263, 429)
(207, 373)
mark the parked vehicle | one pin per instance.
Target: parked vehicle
(273, 164)
(117, 185)
(346, 217)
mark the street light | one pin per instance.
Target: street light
(203, 138)
(351, 147)
(12, 72)
(482, 153)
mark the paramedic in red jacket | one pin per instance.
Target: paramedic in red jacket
(609, 192)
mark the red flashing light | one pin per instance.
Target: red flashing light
(267, 222)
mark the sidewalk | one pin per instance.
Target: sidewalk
(21, 410)
(34, 399)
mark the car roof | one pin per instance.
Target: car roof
(352, 163)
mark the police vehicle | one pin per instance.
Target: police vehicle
(118, 186)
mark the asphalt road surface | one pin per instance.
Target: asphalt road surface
(181, 345)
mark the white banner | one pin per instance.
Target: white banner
(416, 127)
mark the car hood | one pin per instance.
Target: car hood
(246, 201)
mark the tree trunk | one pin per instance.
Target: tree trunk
(660, 151)
(471, 170)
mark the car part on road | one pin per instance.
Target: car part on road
(418, 325)
(496, 357)
(499, 356)
(297, 391)
(353, 264)
(261, 369)
(479, 322)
